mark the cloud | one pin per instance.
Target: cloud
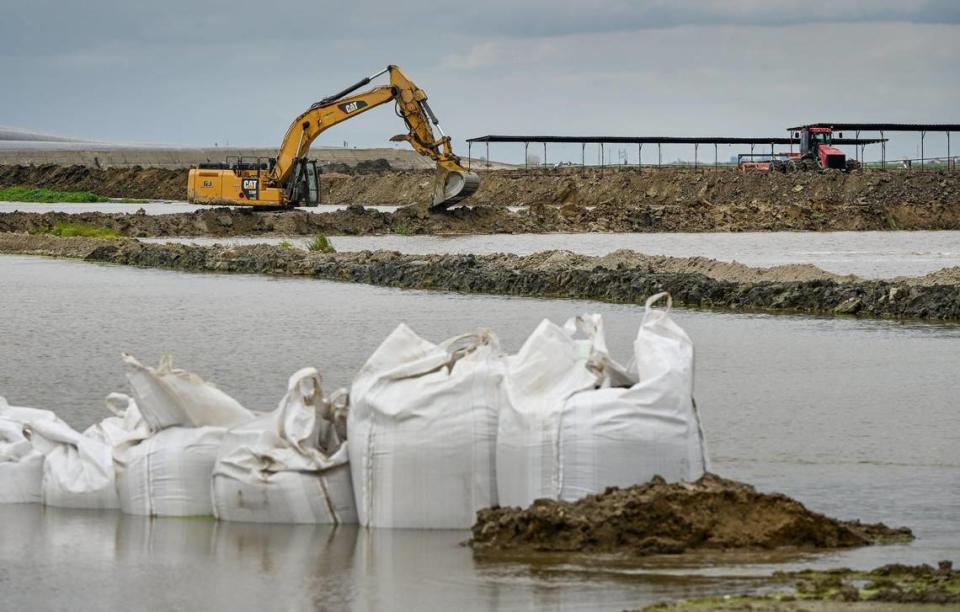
(188, 72)
(50, 26)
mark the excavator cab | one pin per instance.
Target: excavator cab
(304, 188)
(812, 138)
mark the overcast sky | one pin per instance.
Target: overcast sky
(196, 72)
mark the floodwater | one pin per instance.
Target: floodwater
(866, 254)
(857, 419)
(154, 207)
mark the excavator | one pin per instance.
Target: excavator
(290, 179)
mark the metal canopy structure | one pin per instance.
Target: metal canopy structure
(923, 128)
(660, 140)
(886, 127)
(696, 141)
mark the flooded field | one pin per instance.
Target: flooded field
(857, 419)
(866, 254)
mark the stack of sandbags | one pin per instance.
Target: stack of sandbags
(168, 473)
(422, 431)
(59, 466)
(577, 422)
(289, 465)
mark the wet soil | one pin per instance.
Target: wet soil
(660, 518)
(891, 587)
(654, 201)
(621, 277)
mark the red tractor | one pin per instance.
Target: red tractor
(816, 152)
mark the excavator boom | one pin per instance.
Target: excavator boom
(285, 177)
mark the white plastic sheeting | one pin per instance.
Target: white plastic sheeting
(575, 424)
(290, 465)
(169, 397)
(169, 473)
(422, 431)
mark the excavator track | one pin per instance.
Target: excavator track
(452, 187)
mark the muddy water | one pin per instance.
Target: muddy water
(867, 254)
(856, 419)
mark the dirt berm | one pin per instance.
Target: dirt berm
(622, 277)
(660, 518)
(654, 201)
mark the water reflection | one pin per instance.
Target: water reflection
(105, 560)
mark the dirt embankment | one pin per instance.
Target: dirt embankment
(621, 277)
(657, 201)
(660, 518)
(135, 182)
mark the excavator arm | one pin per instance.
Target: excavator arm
(453, 182)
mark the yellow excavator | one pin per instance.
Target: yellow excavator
(290, 179)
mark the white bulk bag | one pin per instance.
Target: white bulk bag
(289, 465)
(78, 470)
(551, 366)
(626, 436)
(169, 397)
(558, 441)
(21, 465)
(169, 473)
(422, 431)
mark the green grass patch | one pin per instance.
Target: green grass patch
(320, 244)
(35, 194)
(74, 230)
(286, 244)
(402, 230)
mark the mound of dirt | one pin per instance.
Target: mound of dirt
(943, 276)
(366, 166)
(654, 201)
(134, 182)
(660, 518)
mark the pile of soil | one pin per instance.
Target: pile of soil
(654, 201)
(365, 166)
(134, 182)
(557, 274)
(660, 518)
(668, 186)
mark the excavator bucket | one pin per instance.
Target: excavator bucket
(453, 186)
